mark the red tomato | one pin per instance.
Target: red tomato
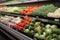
(23, 24)
(26, 17)
(30, 19)
(20, 12)
(17, 27)
(21, 28)
(27, 22)
(20, 24)
(23, 12)
(22, 20)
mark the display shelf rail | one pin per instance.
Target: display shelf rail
(15, 33)
(12, 14)
(8, 36)
(24, 2)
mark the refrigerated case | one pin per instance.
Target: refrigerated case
(14, 34)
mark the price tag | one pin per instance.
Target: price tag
(45, 20)
(56, 20)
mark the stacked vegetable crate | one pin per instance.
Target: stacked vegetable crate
(39, 28)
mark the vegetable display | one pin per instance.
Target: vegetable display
(27, 10)
(55, 14)
(16, 22)
(32, 27)
(27, 20)
(43, 31)
(9, 20)
(44, 10)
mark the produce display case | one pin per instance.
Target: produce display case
(21, 35)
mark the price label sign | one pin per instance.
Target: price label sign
(56, 20)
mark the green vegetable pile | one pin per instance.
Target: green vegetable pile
(43, 31)
(44, 10)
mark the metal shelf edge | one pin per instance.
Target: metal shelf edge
(14, 32)
(23, 2)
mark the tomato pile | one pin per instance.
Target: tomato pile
(24, 21)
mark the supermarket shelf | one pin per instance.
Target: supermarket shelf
(15, 33)
(22, 15)
(14, 3)
(43, 19)
(20, 35)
